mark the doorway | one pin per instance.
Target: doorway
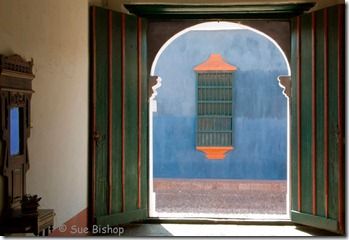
(183, 181)
(119, 107)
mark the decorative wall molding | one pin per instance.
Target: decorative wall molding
(153, 92)
(285, 83)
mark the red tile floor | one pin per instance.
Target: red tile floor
(220, 198)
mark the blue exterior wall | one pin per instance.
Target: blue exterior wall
(259, 108)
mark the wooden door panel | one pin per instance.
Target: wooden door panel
(119, 118)
(317, 119)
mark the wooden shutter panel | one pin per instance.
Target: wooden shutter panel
(317, 119)
(119, 163)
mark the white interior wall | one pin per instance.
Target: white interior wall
(55, 34)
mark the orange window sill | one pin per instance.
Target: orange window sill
(215, 153)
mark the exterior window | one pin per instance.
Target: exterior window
(214, 107)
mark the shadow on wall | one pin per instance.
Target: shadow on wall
(259, 108)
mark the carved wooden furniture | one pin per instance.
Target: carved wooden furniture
(15, 95)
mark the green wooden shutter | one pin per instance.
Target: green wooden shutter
(119, 118)
(317, 119)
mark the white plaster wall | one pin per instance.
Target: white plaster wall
(55, 34)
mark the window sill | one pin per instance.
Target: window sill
(215, 153)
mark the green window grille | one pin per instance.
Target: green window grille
(214, 108)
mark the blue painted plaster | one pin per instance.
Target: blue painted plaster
(259, 108)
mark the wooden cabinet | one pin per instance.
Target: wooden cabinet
(15, 98)
(15, 94)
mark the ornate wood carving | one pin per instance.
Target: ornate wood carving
(16, 64)
(16, 75)
(17, 99)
